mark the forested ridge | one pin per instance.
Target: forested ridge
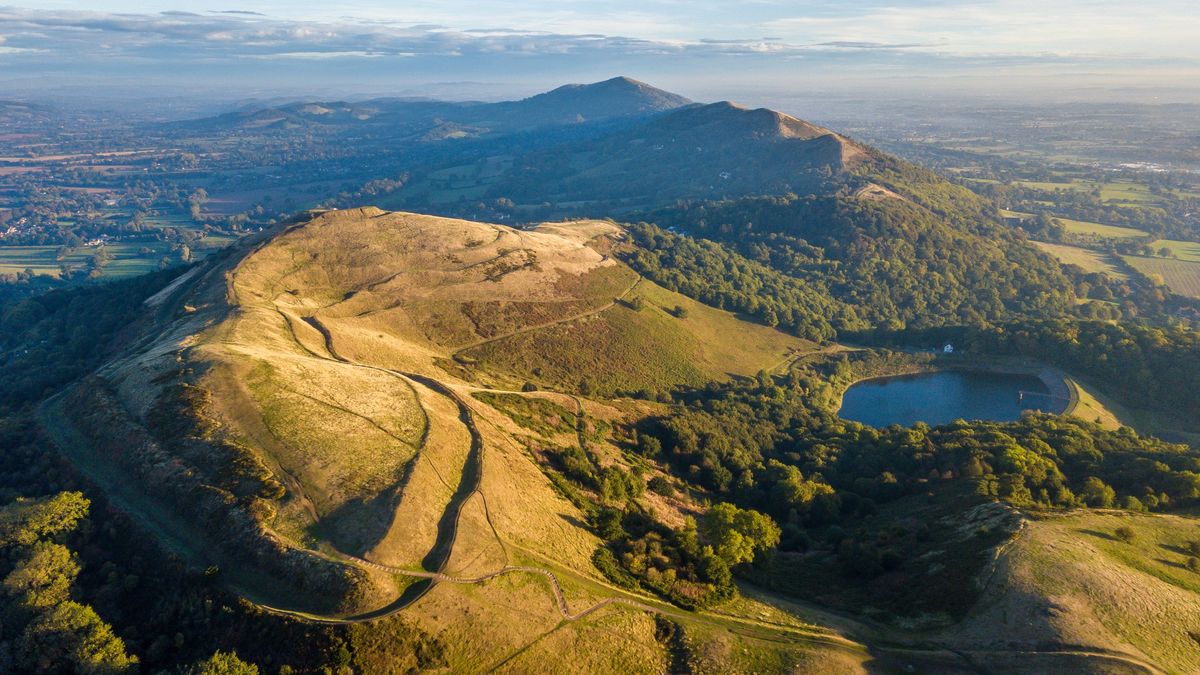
(892, 261)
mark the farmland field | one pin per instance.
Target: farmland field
(1115, 192)
(127, 260)
(1084, 227)
(1181, 276)
(1183, 250)
(1087, 259)
(1052, 186)
(1129, 193)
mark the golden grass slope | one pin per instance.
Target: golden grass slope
(328, 349)
(330, 317)
(1069, 581)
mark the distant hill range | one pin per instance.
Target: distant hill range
(619, 97)
(617, 143)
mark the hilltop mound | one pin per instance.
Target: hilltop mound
(318, 398)
(617, 97)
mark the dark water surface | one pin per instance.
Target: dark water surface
(941, 397)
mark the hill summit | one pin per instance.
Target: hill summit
(616, 97)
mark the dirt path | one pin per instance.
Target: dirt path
(546, 324)
(787, 361)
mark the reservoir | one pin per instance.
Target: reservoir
(942, 397)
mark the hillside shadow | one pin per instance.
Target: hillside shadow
(472, 475)
(574, 521)
(358, 526)
(1176, 549)
(1171, 563)
(410, 595)
(888, 660)
(1097, 533)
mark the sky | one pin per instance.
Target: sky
(702, 48)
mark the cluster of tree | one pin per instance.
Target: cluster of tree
(691, 565)
(776, 445)
(1145, 366)
(716, 276)
(44, 629)
(55, 337)
(891, 261)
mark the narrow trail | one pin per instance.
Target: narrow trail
(783, 364)
(436, 560)
(447, 527)
(439, 575)
(546, 324)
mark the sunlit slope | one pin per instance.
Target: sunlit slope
(303, 413)
(327, 367)
(1071, 581)
(338, 357)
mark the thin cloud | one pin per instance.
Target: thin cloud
(240, 46)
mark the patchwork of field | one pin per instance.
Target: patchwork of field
(128, 259)
(1085, 258)
(1181, 276)
(1113, 192)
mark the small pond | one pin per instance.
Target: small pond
(941, 397)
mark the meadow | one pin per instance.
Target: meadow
(1121, 594)
(1181, 276)
(1083, 227)
(1183, 250)
(1085, 258)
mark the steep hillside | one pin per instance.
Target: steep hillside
(297, 416)
(894, 260)
(508, 437)
(710, 150)
(1070, 579)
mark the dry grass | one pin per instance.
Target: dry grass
(1070, 581)
(426, 492)
(713, 650)
(624, 349)
(1093, 407)
(613, 640)
(372, 459)
(481, 625)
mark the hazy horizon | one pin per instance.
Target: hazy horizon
(755, 52)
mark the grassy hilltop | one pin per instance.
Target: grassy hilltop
(321, 382)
